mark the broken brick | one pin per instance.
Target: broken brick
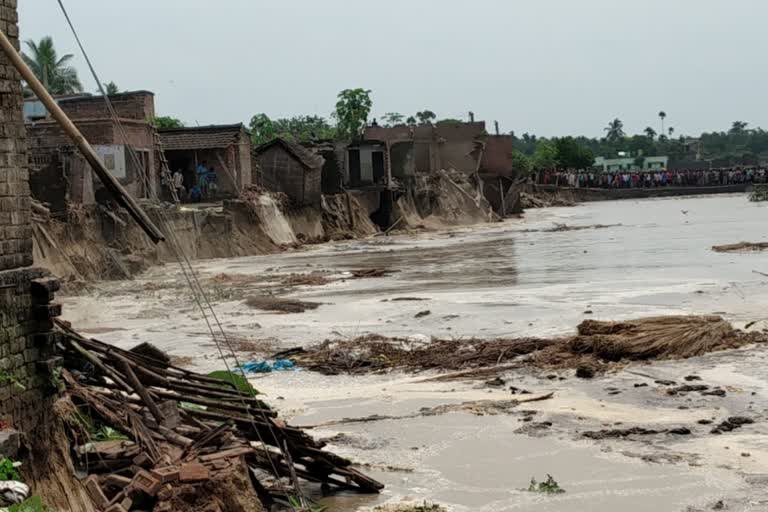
(193, 472)
(166, 474)
(146, 482)
(94, 491)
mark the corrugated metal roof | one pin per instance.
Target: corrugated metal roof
(200, 137)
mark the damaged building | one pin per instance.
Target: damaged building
(292, 169)
(59, 175)
(226, 149)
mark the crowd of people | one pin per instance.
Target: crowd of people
(652, 179)
(204, 187)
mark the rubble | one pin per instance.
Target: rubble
(280, 305)
(596, 346)
(187, 440)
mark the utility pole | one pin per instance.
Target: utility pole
(496, 125)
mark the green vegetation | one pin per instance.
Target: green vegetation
(167, 122)
(739, 145)
(8, 470)
(53, 71)
(549, 486)
(352, 109)
(111, 88)
(301, 505)
(6, 378)
(106, 433)
(297, 129)
(31, 504)
(240, 382)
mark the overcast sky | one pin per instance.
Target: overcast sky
(550, 67)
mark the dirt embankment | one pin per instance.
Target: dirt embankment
(98, 243)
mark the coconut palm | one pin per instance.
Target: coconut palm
(671, 131)
(662, 116)
(615, 130)
(650, 132)
(55, 73)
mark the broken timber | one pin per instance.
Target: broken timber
(212, 427)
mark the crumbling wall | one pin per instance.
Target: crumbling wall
(26, 310)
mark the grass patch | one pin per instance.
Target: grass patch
(8, 470)
(237, 380)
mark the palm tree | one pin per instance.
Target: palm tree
(54, 73)
(615, 130)
(671, 131)
(662, 116)
(650, 132)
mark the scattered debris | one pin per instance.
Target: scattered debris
(305, 280)
(632, 431)
(280, 305)
(410, 507)
(266, 367)
(741, 247)
(732, 423)
(188, 436)
(585, 371)
(422, 314)
(598, 344)
(371, 272)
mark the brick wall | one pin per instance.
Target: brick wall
(26, 339)
(139, 105)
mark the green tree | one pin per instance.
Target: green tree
(425, 116)
(352, 109)
(615, 130)
(167, 122)
(738, 127)
(671, 130)
(55, 73)
(410, 121)
(571, 155)
(392, 118)
(297, 128)
(662, 116)
(111, 89)
(521, 164)
(545, 156)
(650, 133)
(262, 129)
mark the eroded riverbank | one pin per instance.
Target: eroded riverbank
(518, 278)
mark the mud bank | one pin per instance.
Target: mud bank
(101, 243)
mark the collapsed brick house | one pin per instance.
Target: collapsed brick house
(402, 152)
(59, 175)
(292, 169)
(226, 148)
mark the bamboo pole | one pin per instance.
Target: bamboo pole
(109, 181)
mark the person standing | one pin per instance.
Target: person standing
(178, 184)
(202, 178)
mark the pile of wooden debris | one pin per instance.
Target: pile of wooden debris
(182, 440)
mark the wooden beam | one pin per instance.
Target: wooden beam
(109, 181)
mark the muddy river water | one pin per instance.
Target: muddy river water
(522, 277)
